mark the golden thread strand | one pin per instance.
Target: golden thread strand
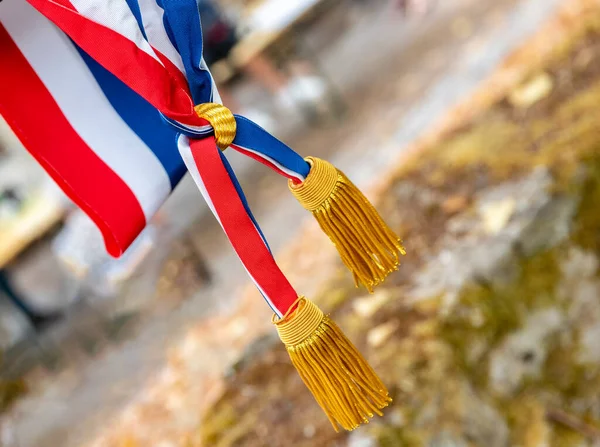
(345, 396)
(367, 246)
(342, 382)
(222, 121)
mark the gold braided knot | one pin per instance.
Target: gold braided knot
(222, 121)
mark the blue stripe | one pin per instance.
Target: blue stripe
(252, 136)
(143, 119)
(135, 9)
(240, 192)
(183, 23)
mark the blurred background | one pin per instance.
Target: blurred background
(473, 125)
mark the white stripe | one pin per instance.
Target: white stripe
(152, 18)
(183, 143)
(272, 161)
(116, 15)
(200, 130)
(84, 105)
(215, 95)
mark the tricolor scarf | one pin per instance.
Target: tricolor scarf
(105, 93)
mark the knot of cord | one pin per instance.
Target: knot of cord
(222, 121)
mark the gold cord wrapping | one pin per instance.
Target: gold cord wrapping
(319, 185)
(306, 321)
(222, 121)
(367, 246)
(338, 376)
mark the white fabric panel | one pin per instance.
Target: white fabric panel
(116, 15)
(152, 17)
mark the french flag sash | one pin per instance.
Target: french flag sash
(113, 128)
(114, 99)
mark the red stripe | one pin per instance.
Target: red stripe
(239, 227)
(66, 4)
(34, 116)
(173, 70)
(138, 70)
(267, 163)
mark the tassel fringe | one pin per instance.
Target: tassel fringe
(338, 376)
(367, 246)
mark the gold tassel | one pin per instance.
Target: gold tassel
(367, 246)
(338, 376)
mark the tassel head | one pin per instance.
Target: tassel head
(338, 376)
(367, 246)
